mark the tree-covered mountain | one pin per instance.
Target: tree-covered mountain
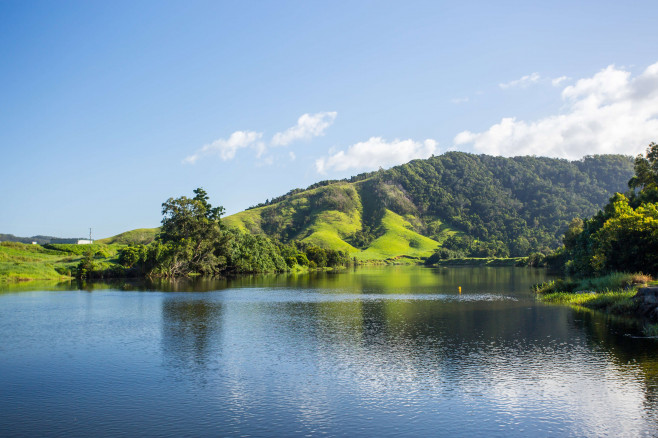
(474, 205)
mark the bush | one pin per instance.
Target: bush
(555, 286)
(611, 282)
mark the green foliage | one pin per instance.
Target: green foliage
(615, 281)
(499, 206)
(442, 254)
(249, 253)
(87, 265)
(553, 286)
(624, 235)
(131, 255)
(645, 181)
(191, 232)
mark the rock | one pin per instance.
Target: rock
(647, 299)
(648, 295)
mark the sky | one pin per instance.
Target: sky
(107, 109)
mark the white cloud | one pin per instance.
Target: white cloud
(557, 81)
(308, 126)
(292, 156)
(458, 100)
(376, 152)
(607, 113)
(523, 82)
(226, 148)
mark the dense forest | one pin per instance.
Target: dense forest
(470, 205)
(623, 236)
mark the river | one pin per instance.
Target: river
(389, 351)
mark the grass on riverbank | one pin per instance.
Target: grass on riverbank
(611, 294)
(616, 281)
(483, 261)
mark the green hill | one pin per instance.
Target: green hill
(474, 205)
(139, 236)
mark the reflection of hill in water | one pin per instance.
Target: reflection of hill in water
(368, 330)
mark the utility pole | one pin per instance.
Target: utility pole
(90, 235)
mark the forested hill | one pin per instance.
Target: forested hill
(473, 205)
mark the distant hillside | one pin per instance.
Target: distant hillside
(142, 236)
(475, 205)
(41, 240)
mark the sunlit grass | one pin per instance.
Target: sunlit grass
(615, 281)
(139, 236)
(22, 262)
(19, 262)
(612, 294)
(398, 239)
(330, 228)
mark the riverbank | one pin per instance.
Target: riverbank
(483, 261)
(24, 262)
(613, 294)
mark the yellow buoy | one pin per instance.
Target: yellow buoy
(460, 289)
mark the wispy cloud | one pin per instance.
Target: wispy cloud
(522, 82)
(376, 152)
(458, 100)
(226, 148)
(557, 81)
(308, 126)
(606, 113)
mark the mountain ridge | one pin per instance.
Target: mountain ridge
(468, 204)
(484, 205)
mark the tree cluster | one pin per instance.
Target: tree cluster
(623, 236)
(193, 240)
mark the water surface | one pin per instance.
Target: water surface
(372, 352)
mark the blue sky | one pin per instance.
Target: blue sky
(109, 108)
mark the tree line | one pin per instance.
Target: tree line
(193, 240)
(623, 236)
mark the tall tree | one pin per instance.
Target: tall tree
(645, 181)
(192, 231)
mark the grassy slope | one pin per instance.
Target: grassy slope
(19, 262)
(331, 228)
(140, 235)
(399, 239)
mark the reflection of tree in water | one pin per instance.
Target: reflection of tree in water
(190, 331)
(628, 347)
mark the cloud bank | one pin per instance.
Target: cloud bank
(611, 112)
(376, 152)
(307, 127)
(226, 148)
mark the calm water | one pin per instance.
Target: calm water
(375, 352)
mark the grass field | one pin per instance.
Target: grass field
(22, 262)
